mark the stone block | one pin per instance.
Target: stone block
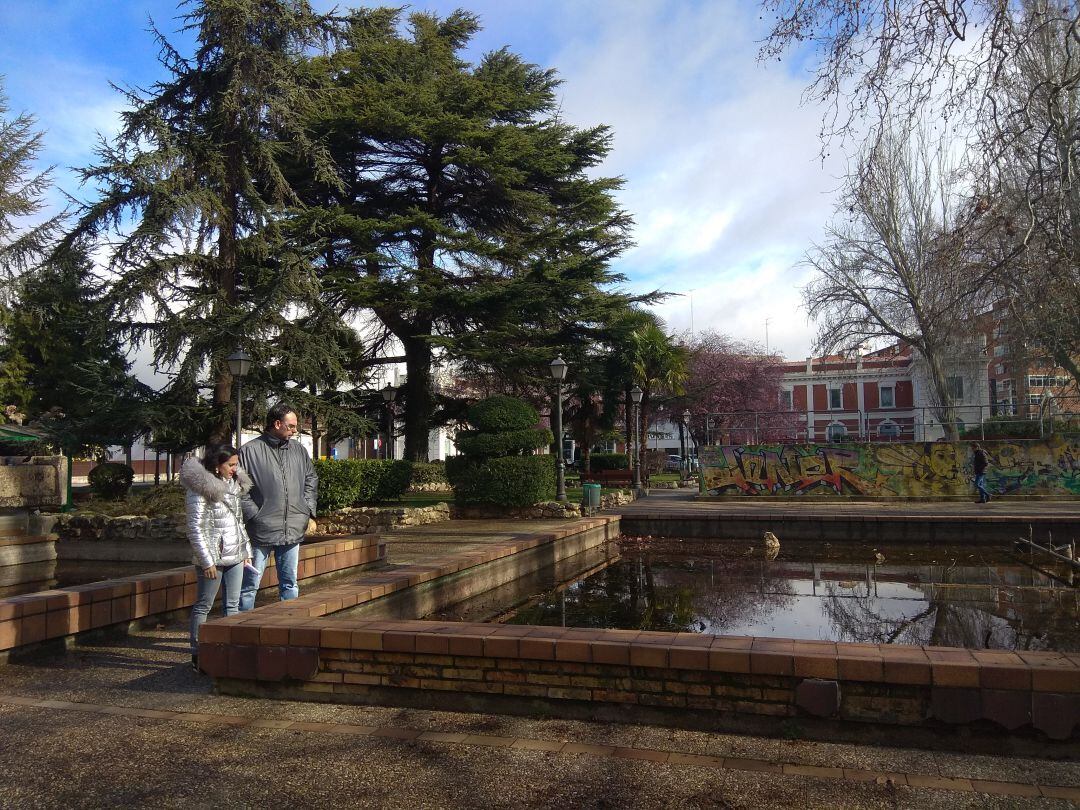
(956, 706)
(1054, 714)
(820, 698)
(1009, 708)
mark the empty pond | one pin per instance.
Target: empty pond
(974, 597)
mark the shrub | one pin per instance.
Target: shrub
(609, 461)
(508, 443)
(501, 414)
(349, 482)
(507, 481)
(494, 467)
(428, 473)
(111, 480)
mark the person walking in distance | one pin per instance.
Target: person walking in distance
(215, 529)
(979, 462)
(280, 508)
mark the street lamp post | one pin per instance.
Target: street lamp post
(558, 372)
(635, 396)
(389, 393)
(239, 365)
(686, 442)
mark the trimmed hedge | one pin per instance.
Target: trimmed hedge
(609, 461)
(428, 472)
(111, 480)
(507, 481)
(502, 414)
(349, 482)
(509, 443)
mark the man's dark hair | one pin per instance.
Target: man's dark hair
(277, 413)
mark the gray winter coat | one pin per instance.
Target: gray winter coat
(283, 498)
(215, 521)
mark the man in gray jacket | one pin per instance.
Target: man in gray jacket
(280, 503)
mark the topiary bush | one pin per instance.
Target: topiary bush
(510, 443)
(111, 480)
(349, 482)
(502, 414)
(609, 461)
(497, 464)
(507, 481)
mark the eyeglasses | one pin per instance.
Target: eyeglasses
(291, 428)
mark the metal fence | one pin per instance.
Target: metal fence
(1033, 420)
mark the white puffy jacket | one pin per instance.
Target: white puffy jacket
(215, 522)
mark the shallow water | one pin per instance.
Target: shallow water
(958, 596)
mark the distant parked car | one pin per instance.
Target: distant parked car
(673, 464)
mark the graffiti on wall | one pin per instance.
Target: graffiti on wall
(1049, 467)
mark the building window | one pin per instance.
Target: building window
(836, 433)
(836, 398)
(999, 350)
(887, 396)
(999, 331)
(955, 386)
(785, 400)
(999, 368)
(1034, 399)
(1036, 381)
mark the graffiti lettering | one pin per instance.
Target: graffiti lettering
(931, 468)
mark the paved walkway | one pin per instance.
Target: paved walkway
(128, 723)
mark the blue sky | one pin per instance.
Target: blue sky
(720, 158)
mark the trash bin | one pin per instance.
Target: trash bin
(590, 495)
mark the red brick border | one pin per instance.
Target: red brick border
(909, 686)
(36, 617)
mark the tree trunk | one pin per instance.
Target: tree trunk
(944, 412)
(419, 399)
(316, 434)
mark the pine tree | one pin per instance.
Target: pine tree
(21, 245)
(468, 221)
(77, 369)
(192, 189)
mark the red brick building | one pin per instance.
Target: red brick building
(868, 397)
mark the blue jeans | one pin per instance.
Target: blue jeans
(228, 579)
(980, 484)
(286, 558)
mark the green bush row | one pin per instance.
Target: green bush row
(509, 443)
(508, 481)
(609, 461)
(349, 482)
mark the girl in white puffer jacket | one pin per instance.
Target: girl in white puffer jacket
(215, 529)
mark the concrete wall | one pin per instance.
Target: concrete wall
(919, 469)
(36, 481)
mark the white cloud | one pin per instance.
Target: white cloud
(721, 160)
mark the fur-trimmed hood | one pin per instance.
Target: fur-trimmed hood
(196, 478)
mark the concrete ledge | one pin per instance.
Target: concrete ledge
(991, 528)
(47, 615)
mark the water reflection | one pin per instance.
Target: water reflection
(964, 597)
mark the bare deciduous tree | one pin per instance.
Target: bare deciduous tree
(1032, 137)
(894, 264)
